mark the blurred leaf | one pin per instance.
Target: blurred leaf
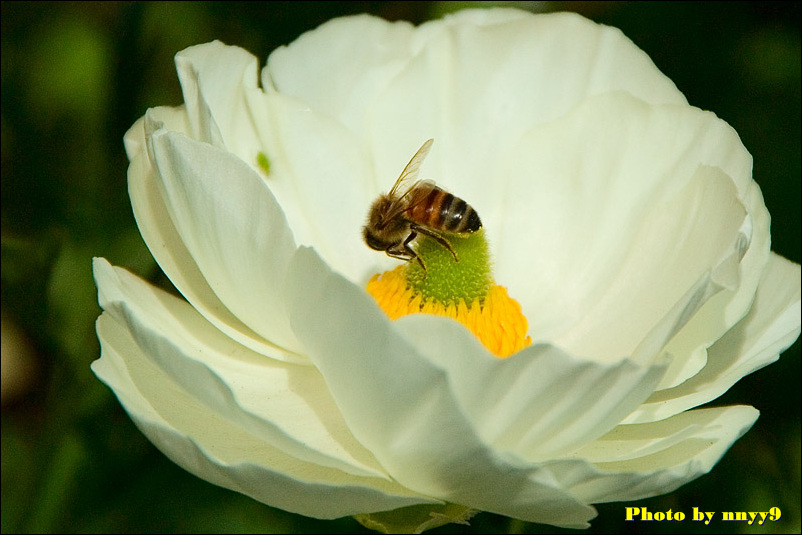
(72, 304)
(18, 466)
(24, 260)
(59, 486)
(68, 72)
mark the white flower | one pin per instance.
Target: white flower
(624, 221)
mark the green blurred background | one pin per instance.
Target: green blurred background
(76, 75)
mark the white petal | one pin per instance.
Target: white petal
(643, 460)
(477, 89)
(216, 81)
(675, 245)
(566, 47)
(773, 324)
(338, 68)
(233, 228)
(319, 175)
(286, 405)
(718, 315)
(217, 450)
(572, 222)
(174, 119)
(168, 248)
(400, 406)
(539, 403)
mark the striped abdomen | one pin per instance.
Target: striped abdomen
(438, 209)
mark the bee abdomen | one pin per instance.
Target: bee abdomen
(442, 210)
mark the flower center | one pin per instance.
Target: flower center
(462, 290)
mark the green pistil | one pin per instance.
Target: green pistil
(263, 162)
(449, 282)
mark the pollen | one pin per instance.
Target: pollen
(496, 320)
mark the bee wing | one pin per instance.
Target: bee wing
(412, 197)
(418, 193)
(402, 192)
(410, 172)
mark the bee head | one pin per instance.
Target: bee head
(373, 241)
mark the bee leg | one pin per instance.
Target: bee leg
(403, 251)
(412, 254)
(401, 255)
(436, 237)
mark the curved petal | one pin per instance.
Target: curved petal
(319, 175)
(338, 68)
(216, 81)
(773, 324)
(580, 218)
(477, 89)
(168, 248)
(538, 403)
(135, 139)
(680, 241)
(233, 228)
(214, 448)
(286, 405)
(399, 405)
(644, 460)
(723, 311)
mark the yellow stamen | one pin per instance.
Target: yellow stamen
(497, 321)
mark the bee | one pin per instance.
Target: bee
(415, 207)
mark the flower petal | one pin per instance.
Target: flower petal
(586, 219)
(724, 310)
(773, 324)
(644, 460)
(217, 81)
(135, 140)
(215, 449)
(538, 403)
(319, 175)
(286, 405)
(477, 89)
(166, 245)
(693, 233)
(232, 227)
(400, 406)
(338, 68)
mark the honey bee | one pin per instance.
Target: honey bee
(415, 207)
